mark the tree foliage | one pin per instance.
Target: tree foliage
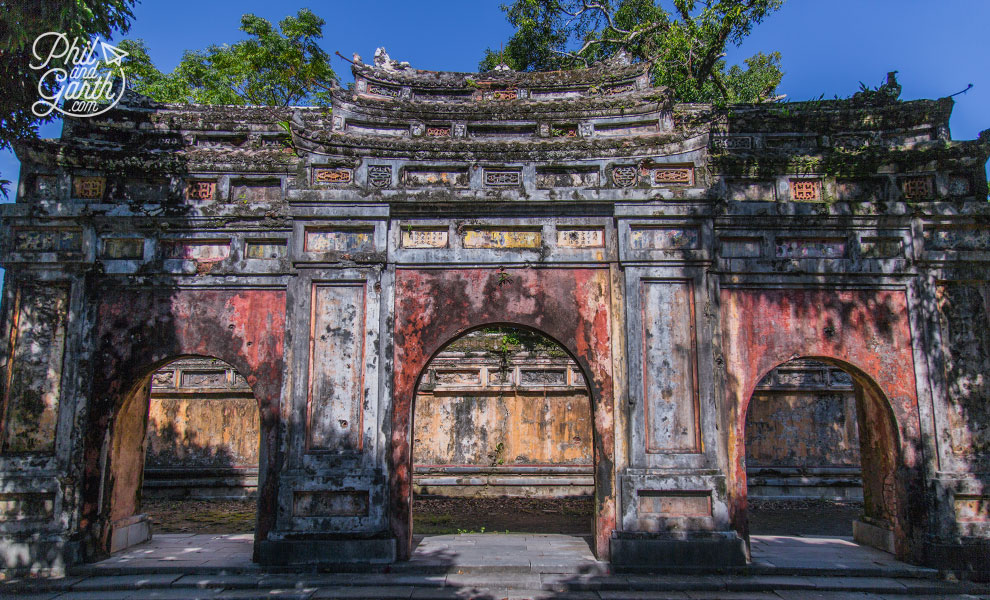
(684, 39)
(280, 66)
(21, 21)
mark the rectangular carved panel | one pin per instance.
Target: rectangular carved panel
(49, 239)
(810, 248)
(741, 247)
(340, 240)
(89, 188)
(336, 367)
(964, 310)
(201, 190)
(674, 503)
(502, 178)
(123, 248)
(673, 176)
(549, 179)
(34, 373)
(669, 366)
(199, 250)
(413, 237)
(502, 238)
(246, 192)
(662, 238)
(265, 248)
(806, 190)
(420, 177)
(27, 506)
(973, 509)
(330, 504)
(581, 237)
(330, 175)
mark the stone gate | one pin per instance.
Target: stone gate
(678, 253)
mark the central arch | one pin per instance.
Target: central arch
(433, 307)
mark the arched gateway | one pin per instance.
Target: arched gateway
(678, 253)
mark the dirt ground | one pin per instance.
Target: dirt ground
(526, 515)
(513, 515)
(802, 517)
(201, 516)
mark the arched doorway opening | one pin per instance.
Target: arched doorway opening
(182, 454)
(502, 437)
(821, 451)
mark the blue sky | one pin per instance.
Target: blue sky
(828, 46)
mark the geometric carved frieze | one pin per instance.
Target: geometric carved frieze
(331, 175)
(806, 190)
(88, 188)
(380, 176)
(625, 176)
(201, 190)
(917, 188)
(502, 177)
(673, 175)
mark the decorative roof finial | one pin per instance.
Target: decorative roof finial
(384, 61)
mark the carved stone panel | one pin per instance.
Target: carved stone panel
(34, 371)
(484, 237)
(336, 368)
(964, 310)
(340, 240)
(669, 367)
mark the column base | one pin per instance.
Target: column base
(702, 549)
(874, 536)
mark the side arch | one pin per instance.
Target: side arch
(138, 330)
(433, 307)
(864, 332)
(124, 460)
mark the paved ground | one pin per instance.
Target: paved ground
(520, 552)
(493, 567)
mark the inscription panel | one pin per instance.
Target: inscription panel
(34, 372)
(340, 240)
(330, 504)
(123, 248)
(646, 237)
(200, 251)
(336, 368)
(265, 248)
(669, 366)
(674, 504)
(581, 237)
(502, 238)
(424, 238)
(810, 248)
(48, 240)
(562, 179)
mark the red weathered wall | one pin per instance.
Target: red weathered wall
(432, 307)
(864, 331)
(138, 331)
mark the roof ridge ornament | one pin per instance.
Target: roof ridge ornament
(384, 61)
